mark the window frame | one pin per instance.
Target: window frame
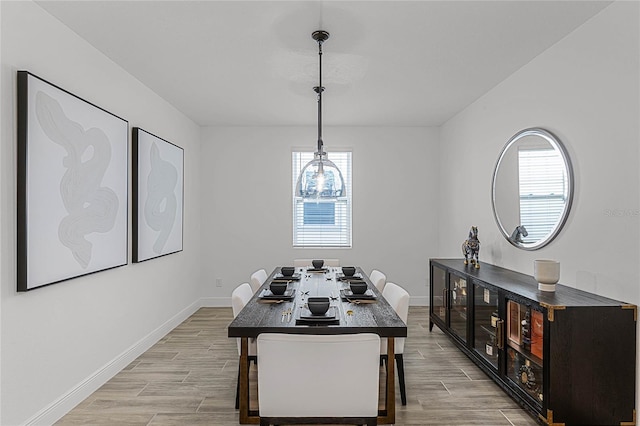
(338, 236)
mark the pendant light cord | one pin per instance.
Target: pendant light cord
(320, 89)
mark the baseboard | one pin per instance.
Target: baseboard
(56, 410)
(419, 301)
(215, 302)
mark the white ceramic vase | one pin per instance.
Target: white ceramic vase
(546, 273)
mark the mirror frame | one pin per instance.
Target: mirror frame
(558, 146)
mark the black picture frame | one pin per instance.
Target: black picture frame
(73, 180)
(158, 196)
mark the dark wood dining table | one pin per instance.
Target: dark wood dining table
(266, 313)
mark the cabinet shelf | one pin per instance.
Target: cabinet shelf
(461, 314)
(490, 332)
(527, 354)
(572, 333)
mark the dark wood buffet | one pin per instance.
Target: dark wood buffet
(567, 356)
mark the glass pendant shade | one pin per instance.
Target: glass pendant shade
(320, 179)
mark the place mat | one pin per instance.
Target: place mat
(289, 294)
(285, 279)
(340, 276)
(348, 294)
(307, 318)
(353, 279)
(307, 315)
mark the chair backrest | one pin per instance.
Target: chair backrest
(307, 262)
(378, 279)
(303, 375)
(258, 278)
(398, 298)
(239, 298)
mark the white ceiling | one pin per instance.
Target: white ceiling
(387, 63)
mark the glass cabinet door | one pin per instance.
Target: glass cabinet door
(458, 305)
(439, 292)
(486, 323)
(525, 342)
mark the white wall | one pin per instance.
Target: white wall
(585, 89)
(74, 333)
(247, 205)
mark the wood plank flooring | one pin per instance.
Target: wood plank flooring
(189, 378)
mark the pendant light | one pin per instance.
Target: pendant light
(320, 178)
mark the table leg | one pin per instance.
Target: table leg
(244, 380)
(245, 415)
(390, 398)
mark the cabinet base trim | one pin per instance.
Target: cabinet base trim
(549, 419)
(632, 422)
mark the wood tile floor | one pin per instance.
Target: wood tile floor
(189, 378)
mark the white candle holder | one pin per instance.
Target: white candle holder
(546, 273)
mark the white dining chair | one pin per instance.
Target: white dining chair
(398, 298)
(258, 278)
(305, 378)
(378, 279)
(239, 298)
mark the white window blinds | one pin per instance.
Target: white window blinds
(321, 222)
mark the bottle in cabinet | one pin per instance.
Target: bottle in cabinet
(524, 367)
(526, 331)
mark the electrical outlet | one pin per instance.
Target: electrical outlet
(218, 282)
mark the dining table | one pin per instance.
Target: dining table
(288, 313)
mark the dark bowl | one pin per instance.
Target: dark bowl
(358, 288)
(278, 288)
(317, 263)
(318, 305)
(348, 270)
(287, 271)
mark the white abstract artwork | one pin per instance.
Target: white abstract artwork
(73, 182)
(158, 196)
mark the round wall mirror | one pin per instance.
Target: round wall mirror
(532, 188)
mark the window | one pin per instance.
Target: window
(319, 222)
(542, 194)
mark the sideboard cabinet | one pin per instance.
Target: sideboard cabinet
(567, 356)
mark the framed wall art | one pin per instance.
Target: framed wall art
(158, 196)
(72, 185)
